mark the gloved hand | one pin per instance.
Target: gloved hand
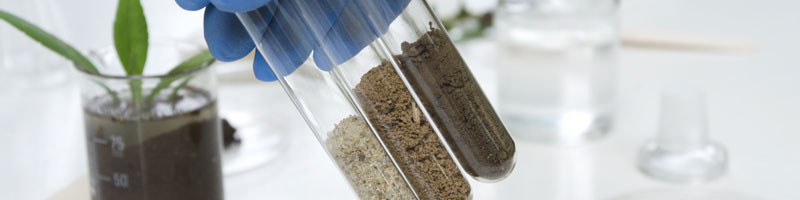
(335, 30)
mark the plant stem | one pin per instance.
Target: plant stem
(136, 91)
(165, 82)
(108, 90)
(201, 59)
(175, 90)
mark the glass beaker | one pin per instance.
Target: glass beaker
(155, 136)
(556, 64)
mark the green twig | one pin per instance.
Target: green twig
(131, 43)
(108, 90)
(174, 93)
(56, 45)
(136, 90)
(50, 41)
(165, 82)
(199, 60)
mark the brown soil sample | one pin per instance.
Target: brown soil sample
(176, 156)
(366, 165)
(458, 106)
(409, 137)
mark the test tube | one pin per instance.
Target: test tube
(389, 106)
(432, 68)
(393, 62)
(365, 78)
(330, 113)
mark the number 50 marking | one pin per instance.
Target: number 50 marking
(120, 180)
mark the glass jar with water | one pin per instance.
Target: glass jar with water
(556, 62)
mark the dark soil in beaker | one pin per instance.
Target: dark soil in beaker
(169, 151)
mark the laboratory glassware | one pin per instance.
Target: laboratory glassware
(336, 123)
(365, 82)
(442, 83)
(556, 63)
(144, 144)
(682, 150)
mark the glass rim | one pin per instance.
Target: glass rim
(152, 43)
(204, 66)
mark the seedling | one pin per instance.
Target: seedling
(131, 43)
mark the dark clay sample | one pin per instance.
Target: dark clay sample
(229, 136)
(409, 137)
(173, 157)
(458, 106)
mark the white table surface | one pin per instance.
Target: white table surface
(753, 98)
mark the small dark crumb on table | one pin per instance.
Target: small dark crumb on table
(229, 136)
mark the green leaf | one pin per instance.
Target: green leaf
(174, 93)
(130, 36)
(165, 82)
(199, 60)
(108, 90)
(50, 41)
(56, 45)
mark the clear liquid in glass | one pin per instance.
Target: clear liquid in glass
(556, 74)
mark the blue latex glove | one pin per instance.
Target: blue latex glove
(335, 30)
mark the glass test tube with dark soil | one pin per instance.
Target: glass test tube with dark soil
(430, 65)
(457, 105)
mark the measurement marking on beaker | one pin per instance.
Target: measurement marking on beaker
(120, 180)
(117, 146)
(100, 141)
(104, 178)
